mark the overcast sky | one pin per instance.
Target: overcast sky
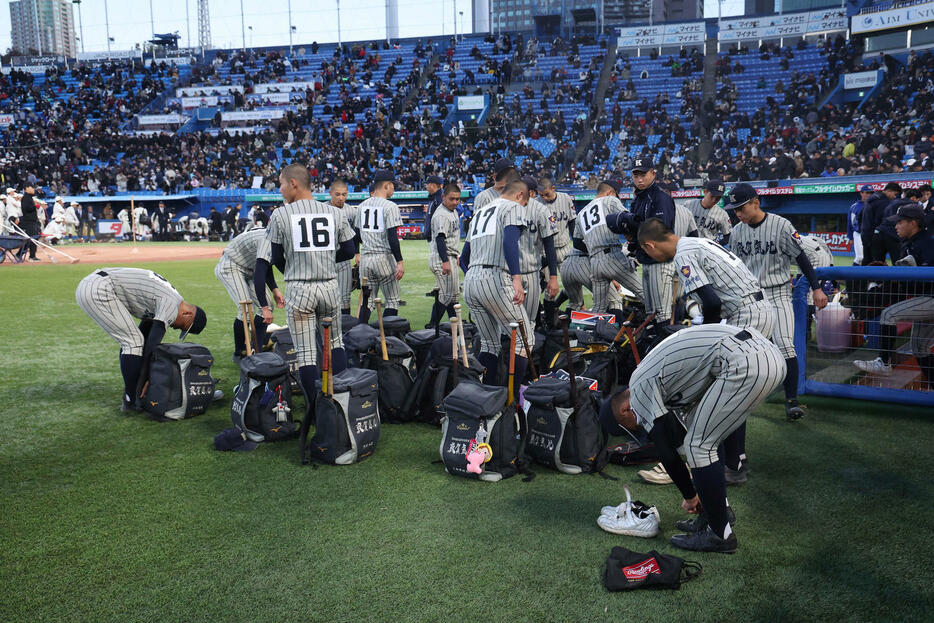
(315, 20)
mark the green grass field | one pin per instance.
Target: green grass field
(112, 517)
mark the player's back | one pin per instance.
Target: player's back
(730, 278)
(144, 292)
(487, 230)
(372, 218)
(242, 249)
(310, 233)
(591, 223)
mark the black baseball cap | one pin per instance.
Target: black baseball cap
(530, 182)
(435, 179)
(233, 439)
(197, 325)
(614, 184)
(642, 165)
(911, 211)
(715, 188)
(739, 195)
(501, 165)
(384, 175)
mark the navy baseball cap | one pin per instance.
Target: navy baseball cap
(233, 439)
(607, 420)
(530, 182)
(435, 179)
(502, 164)
(866, 189)
(384, 175)
(739, 195)
(911, 211)
(642, 165)
(715, 188)
(614, 184)
(197, 325)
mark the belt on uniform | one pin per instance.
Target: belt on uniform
(604, 250)
(743, 335)
(492, 266)
(102, 273)
(756, 296)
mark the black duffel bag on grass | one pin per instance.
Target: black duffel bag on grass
(179, 384)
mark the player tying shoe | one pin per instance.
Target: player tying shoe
(716, 374)
(113, 297)
(767, 243)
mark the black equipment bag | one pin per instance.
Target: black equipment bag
(471, 335)
(626, 570)
(563, 435)
(283, 346)
(420, 342)
(348, 322)
(180, 381)
(347, 423)
(633, 453)
(603, 367)
(553, 347)
(262, 404)
(395, 326)
(470, 407)
(358, 341)
(435, 380)
(396, 377)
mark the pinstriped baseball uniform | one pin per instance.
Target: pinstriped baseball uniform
(718, 373)
(310, 233)
(345, 268)
(538, 226)
(485, 198)
(374, 216)
(113, 297)
(607, 260)
(713, 223)
(488, 287)
(700, 262)
(819, 255)
(445, 222)
(768, 248)
(235, 268)
(684, 221)
(575, 275)
(561, 212)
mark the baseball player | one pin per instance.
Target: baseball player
(725, 289)
(685, 225)
(13, 205)
(433, 185)
(854, 223)
(445, 233)
(767, 243)
(712, 221)
(70, 220)
(198, 225)
(504, 170)
(124, 216)
(650, 201)
(608, 262)
(717, 374)
(377, 220)
(537, 241)
(493, 286)
(918, 310)
(58, 207)
(54, 232)
(305, 240)
(113, 297)
(338, 192)
(235, 271)
(561, 212)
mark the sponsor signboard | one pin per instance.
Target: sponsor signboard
(686, 33)
(860, 80)
(470, 102)
(893, 18)
(836, 240)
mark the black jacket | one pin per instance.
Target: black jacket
(653, 202)
(872, 213)
(890, 217)
(30, 219)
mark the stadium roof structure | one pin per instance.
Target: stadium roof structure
(127, 197)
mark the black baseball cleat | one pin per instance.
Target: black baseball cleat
(700, 522)
(735, 476)
(128, 406)
(793, 410)
(705, 541)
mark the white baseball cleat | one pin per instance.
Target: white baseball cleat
(656, 476)
(631, 518)
(875, 366)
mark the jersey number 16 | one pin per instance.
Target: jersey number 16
(312, 232)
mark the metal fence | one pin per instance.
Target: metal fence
(875, 342)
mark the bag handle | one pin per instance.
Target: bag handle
(689, 571)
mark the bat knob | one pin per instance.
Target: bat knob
(513, 325)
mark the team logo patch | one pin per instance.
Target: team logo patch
(796, 236)
(686, 271)
(641, 570)
(553, 218)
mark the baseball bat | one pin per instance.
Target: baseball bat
(460, 334)
(512, 363)
(565, 325)
(246, 308)
(382, 333)
(364, 295)
(454, 359)
(326, 354)
(528, 351)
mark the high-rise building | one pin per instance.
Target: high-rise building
(43, 27)
(524, 14)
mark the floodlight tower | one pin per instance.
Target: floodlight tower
(204, 25)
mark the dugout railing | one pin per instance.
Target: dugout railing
(829, 342)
